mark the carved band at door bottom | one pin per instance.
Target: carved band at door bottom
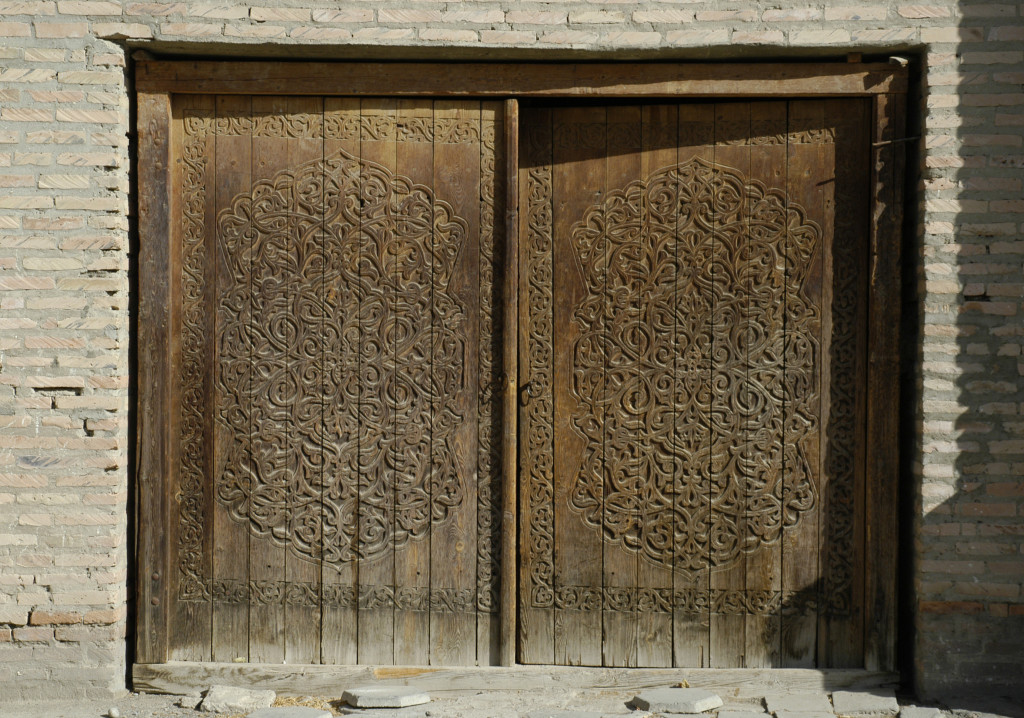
(696, 600)
(299, 593)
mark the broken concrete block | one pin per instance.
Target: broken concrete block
(677, 700)
(920, 712)
(875, 702)
(229, 699)
(384, 697)
(798, 703)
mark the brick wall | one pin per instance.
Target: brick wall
(64, 203)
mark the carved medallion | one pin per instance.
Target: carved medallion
(303, 245)
(696, 332)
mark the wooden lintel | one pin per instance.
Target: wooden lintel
(523, 80)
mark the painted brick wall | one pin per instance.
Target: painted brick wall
(64, 258)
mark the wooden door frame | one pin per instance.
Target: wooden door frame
(157, 80)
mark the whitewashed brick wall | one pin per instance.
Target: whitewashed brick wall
(64, 287)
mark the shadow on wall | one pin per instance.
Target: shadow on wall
(969, 398)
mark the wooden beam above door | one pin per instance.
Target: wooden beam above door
(523, 79)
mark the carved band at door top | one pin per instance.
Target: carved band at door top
(719, 271)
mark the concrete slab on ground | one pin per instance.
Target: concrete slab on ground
(798, 703)
(384, 697)
(677, 700)
(862, 704)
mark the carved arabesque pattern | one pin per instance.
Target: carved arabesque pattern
(197, 126)
(384, 244)
(539, 466)
(721, 270)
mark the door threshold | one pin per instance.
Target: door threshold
(181, 677)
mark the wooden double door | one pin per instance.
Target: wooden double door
(323, 382)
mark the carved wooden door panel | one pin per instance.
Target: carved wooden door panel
(692, 364)
(334, 491)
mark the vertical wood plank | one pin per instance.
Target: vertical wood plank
(536, 446)
(800, 576)
(304, 123)
(377, 410)
(342, 387)
(456, 181)
(272, 430)
(764, 565)
(155, 203)
(623, 460)
(231, 437)
(693, 398)
(841, 630)
(191, 353)
(578, 178)
(410, 257)
(508, 138)
(660, 141)
(729, 414)
(882, 492)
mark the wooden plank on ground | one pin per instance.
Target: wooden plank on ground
(740, 684)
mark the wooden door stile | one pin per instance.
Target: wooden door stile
(841, 622)
(509, 584)
(536, 447)
(153, 508)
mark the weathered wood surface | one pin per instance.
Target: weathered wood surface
(154, 126)
(182, 678)
(677, 298)
(509, 288)
(330, 348)
(523, 80)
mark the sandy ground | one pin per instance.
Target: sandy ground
(486, 704)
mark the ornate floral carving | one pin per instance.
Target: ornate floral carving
(388, 247)
(720, 273)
